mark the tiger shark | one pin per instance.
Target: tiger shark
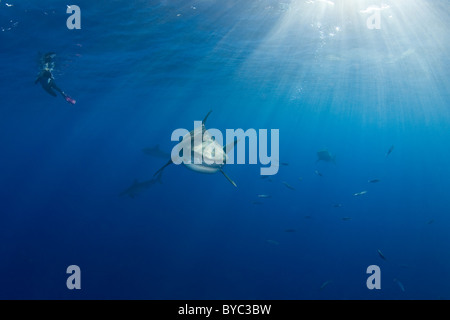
(204, 155)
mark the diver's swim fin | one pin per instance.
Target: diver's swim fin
(70, 100)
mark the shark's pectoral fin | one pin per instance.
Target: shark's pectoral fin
(228, 178)
(158, 178)
(162, 168)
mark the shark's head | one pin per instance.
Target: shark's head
(207, 155)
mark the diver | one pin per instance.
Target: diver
(45, 77)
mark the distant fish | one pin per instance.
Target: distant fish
(337, 205)
(326, 156)
(359, 193)
(300, 179)
(282, 163)
(308, 217)
(346, 218)
(381, 255)
(430, 221)
(326, 283)
(273, 242)
(289, 230)
(374, 181)
(400, 285)
(264, 196)
(288, 185)
(266, 178)
(318, 173)
(390, 151)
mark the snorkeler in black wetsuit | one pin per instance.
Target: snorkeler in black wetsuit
(45, 77)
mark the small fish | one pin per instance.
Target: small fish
(374, 181)
(360, 193)
(281, 163)
(308, 217)
(318, 173)
(346, 218)
(326, 283)
(400, 285)
(289, 230)
(381, 255)
(273, 242)
(389, 151)
(430, 221)
(337, 205)
(288, 185)
(265, 196)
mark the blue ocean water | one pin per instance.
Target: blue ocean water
(141, 69)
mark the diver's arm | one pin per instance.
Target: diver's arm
(38, 78)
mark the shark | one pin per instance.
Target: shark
(137, 187)
(325, 155)
(208, 149)
(156, 152)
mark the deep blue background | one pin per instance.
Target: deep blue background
(141, 69)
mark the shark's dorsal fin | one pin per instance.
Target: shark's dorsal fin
(228, 178)
(230, 146)
(204, 120)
